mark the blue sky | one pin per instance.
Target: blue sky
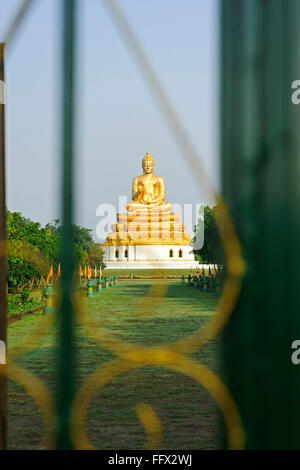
(118, 120)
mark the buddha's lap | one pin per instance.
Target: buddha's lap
(133, 206)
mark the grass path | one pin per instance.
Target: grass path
(145, 313)
(151, 273)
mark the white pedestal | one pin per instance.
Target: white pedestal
(150, 257)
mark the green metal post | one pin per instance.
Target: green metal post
(99, 284)
(205, 284)
(65, 392)
(49, 299)
(90, 288)
(3, 307)
(260, 44)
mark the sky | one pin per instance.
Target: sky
(117, 119)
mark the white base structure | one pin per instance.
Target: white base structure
(150, 257)
(152, 265)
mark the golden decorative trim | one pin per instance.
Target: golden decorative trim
(132, 226)
(157, 242)
(167, 216)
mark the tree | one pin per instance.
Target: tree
(33, 248)
(212, 250)
(82, 240)
(95, 256)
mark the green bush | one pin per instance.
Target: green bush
(24, 296)
(20, 303)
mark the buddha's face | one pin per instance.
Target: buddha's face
(148, 166)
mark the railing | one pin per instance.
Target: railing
(260, 157)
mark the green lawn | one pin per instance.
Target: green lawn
(149, 273)
(188, 414)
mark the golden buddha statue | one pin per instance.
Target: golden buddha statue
(148, 220)
(148, 190)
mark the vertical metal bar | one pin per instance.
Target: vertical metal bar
(3, 317)
(260, 168)
(66, 313)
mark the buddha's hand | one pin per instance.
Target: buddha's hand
(157, 200)
(147, 198)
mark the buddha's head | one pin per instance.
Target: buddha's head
(148, 163)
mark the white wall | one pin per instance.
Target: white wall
(149, 253)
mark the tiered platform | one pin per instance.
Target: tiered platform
(148, 228)
(149, 239)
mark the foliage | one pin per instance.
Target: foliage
(33, 248)
(25, 230)
(82, 240)
(212, 250)
(22, 302)
(95, 256)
